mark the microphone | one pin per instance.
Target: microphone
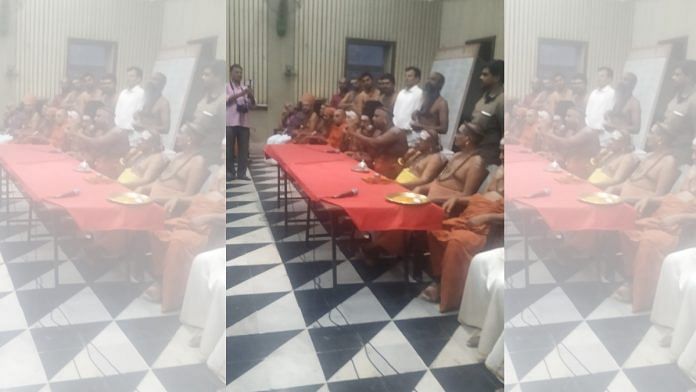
(541, 193)
(352, 192)
(74, 192)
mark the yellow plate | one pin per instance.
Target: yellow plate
(130, 199)
(407, 198)
(601, 199)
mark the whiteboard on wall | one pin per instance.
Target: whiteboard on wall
(178, 65)
(457, 66)
(649, 65)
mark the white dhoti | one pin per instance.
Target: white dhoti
(279, 139)
(685, 324)
(495, 361)
(684, 338)
(482, 302)
(676, 269)
(204, 304)
(687, 361)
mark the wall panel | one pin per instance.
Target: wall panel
(605, 25)
(43, 29)
(324, 25)
(248, 45)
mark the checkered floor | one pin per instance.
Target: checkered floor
(93, 332)
(565, 332)
(288, 329)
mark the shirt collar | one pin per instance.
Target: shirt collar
(493, 93)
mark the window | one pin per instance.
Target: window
(95, 57)
(375, 57)
(559, 56)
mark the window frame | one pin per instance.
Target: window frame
(111, 60)
(580, 68)
(389, 60)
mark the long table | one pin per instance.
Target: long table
(526, 174)
(319, 173)
(560, 210)
(42, 173)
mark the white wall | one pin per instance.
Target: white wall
(606, 26)
(187, 20)
(465, 20)
(43, 29)
(657, 20)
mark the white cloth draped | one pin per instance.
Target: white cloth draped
(676, 269)
(279, 139)
(204, 306)
(495, 361)
(684, 338)
(482, 302)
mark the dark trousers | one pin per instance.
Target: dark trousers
(237, 162)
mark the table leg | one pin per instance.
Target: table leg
(309, 205)
(285, 182)
(56, 259)
(278, 183)
(334, 225)
(29, 224)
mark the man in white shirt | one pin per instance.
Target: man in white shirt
(600, 101)
(408, 101)
(129, 102)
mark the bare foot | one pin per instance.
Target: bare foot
(624, 293)
(431, 293)
(153, 294)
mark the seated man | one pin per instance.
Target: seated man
(464, 234)
(299, 122)
(645, 248)
(577, 147)
(320, 133)
(656, 174)
(389, 146)
(144, 163)
(423, 162)
(184, 175)
(525, 133)
(334, 134)
(464, 173)
(186, 235)
(107, 147)
(482, 301)
(615, 163)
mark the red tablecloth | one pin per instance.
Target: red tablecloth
(285, 154)
(29, 154)
(321, 175)
(561, 210)
(90, 210)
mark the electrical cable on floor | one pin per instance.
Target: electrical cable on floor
(317, 285)
(86, 345)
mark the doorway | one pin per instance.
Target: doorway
(677, 55)
(208, 49)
